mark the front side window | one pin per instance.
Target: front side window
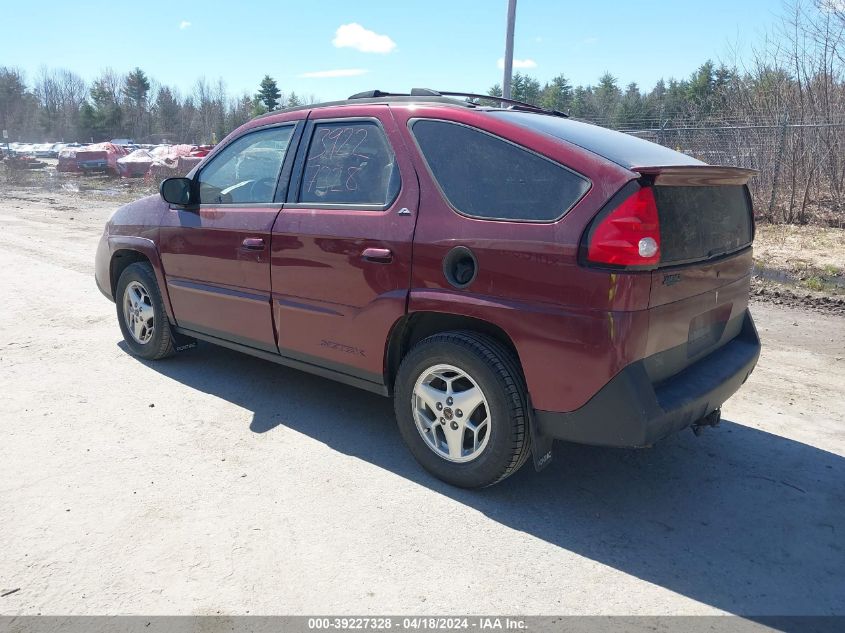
(484, 176)
(247, 170)
(349, 163)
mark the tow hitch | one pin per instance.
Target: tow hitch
(711, 419)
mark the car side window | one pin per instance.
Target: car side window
(349, 162)
(247, 170)
(485, 176)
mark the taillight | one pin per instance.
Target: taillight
(629, 235)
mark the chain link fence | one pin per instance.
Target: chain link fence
(801, 165)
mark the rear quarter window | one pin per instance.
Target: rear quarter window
(623, 149)
(485, 176)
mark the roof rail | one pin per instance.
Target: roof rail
(428, 92)
(517, 105)
(375, 94)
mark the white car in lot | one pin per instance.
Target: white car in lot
(44, 150)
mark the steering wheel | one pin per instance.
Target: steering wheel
(262, 190)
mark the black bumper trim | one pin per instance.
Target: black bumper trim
(630, 411)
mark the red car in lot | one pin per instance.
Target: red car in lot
(99, 158)
(507, 275)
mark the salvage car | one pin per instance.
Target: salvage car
(135, 164)
(67, 160)
(44, 150)
(507, 275)
(100, 158)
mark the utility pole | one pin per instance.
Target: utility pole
(506, 81)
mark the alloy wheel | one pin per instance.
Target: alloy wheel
(451, 413)
(138, 312)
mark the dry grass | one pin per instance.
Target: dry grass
(811, 257)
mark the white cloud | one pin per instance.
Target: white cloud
(337, 72)
(353, 35)
(590, 40)
(184, 24)
(517, 63)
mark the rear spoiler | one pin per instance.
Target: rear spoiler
(697, 175)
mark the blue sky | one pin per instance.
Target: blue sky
(392, 45)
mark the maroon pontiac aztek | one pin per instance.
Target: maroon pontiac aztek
(507, 275)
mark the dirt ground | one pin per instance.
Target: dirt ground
(218, 483)
(800, 266)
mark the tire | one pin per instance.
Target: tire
(137, 286)
(472, 459)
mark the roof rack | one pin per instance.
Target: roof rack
(516, 105)
(376, 94)
(427, 92)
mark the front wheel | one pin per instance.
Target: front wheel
(460, 404)
(140, 312)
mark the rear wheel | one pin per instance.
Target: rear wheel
(140, 312)
(461, 408)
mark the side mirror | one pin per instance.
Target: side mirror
(177, 191)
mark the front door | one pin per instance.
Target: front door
(217, 257)
(341, 254)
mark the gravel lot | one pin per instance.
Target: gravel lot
(219, 483)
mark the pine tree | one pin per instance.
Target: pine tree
(136, 86)
(258, 107)
(633, 110)
(269, 93)
(700, 88)
(557, 95)
(108, 113)
(607, 95)
(525, 88)
(87, 121)
(583, 103)
(166, 113)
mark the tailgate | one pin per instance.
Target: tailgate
(697, 314)
(699, 292)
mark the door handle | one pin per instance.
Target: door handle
(253, 244)
(379, 255)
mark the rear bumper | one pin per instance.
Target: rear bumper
(93, 165)
(631, 411)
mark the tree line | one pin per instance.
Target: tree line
(59, 105)
(780, 111)
(706, 92)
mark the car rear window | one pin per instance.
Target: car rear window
(484, 176)
(697, 223)
(622, 149)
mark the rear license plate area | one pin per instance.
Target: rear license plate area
(706, 330)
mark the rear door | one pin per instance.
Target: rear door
(341, 254)
(217, 257)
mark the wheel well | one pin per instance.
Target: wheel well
(413, 328)
(120, 260)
